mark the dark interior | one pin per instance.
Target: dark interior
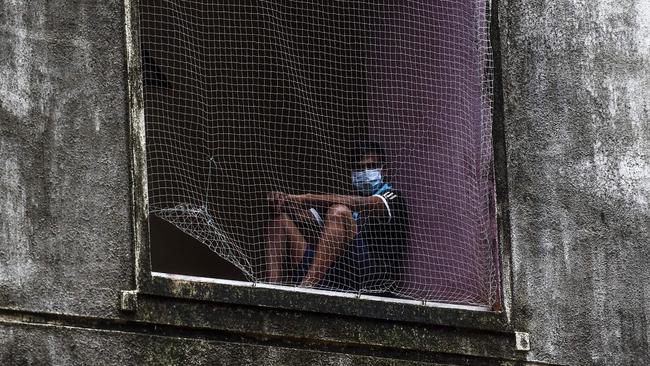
(218, 86)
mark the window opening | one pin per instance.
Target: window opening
(344, 147)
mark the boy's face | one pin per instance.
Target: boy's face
(366, 175)
(369, 161)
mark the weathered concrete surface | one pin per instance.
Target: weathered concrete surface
(43, 345)
(576, 77)
(64, 191)
(577, 88)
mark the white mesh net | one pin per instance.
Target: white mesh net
(258, 113)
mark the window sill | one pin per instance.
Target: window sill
(326, 302)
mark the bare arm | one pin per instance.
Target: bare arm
(282, 205)
(368, 205)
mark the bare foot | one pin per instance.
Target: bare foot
(309, 282)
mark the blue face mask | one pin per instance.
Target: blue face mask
(367, 181)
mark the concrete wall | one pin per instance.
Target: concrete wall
(39, 345)
(64, 181)
(576, 80)
(575, 86)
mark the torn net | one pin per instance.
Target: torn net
(244, 98)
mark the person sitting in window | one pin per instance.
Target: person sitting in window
(359, 241)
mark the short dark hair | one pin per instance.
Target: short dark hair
(365, 148)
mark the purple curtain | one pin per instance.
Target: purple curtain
(430, 106)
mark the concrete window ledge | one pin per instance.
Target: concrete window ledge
(328, 302)
(320, 320)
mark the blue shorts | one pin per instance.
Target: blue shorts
(346, 273)
(357, 267)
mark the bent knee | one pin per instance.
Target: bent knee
(339, 212)
(281, 220)
(342, 214)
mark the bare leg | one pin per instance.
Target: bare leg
(283, 232)
(275, 244)
(338, 232)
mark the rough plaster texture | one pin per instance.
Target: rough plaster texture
(42, 345)
(577, 87)
(576, 117)
(64, 190)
